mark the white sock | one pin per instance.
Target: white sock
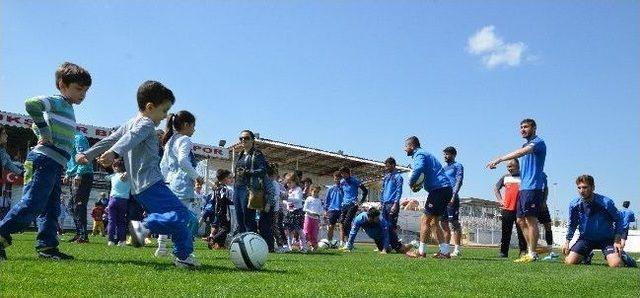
(444, 248)
(456, 248)
(162, 241)
(421, 248)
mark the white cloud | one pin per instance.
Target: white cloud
(494, 51)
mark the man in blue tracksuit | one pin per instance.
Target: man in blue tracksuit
(81, 175)
(627, 217)
(377, 228)
(333, 204)
(440, 194)
(455, 172)
(599, 223)
(350, 204)
(390, 197)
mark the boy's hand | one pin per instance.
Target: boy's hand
(106, 159)
(82, 159)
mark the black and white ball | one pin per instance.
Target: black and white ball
(248, 251)
(324, 244)
(334, 244)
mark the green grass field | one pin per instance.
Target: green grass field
(115, 271)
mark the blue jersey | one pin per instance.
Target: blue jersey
(350, 189)
(377, 231)
(391, 188)
(455, 173)
(333, 200)
(597, 220)
(532, 165)
(427, 164)
(627, 217)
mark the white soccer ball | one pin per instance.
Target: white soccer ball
(248, 251)
(417, 186)
(324, 244)
(334, 243)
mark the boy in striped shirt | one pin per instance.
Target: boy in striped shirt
(54, 125)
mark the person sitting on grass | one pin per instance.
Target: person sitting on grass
(375, 227)
(599, 223)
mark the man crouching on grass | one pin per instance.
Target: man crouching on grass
(599, 223)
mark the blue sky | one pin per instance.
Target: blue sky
(359, 76)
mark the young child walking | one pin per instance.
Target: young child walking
(45, 163)
(313, 209)
(117, 208)
(222, 198)
(177, 168)
(136, 141)
(294, 220)
(98, 224)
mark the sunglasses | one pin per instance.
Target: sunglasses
(244, 138)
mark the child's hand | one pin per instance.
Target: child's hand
(82, 159)
(106, 159)
(200, 180)
(44, 140)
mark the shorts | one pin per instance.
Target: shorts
(453, 211)
(584, 247)
(348, 213)
(437, 201)
(334, 216)
(529, 201)
(544, 217)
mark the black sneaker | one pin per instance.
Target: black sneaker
(3, 254)
(503, 255)
(54, 254)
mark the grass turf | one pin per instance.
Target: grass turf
(116, 271)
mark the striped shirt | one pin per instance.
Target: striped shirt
(53, 119)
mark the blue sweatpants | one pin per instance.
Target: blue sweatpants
(166, 215)
(40, 201)
(246, 218)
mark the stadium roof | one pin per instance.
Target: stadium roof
(317, 161)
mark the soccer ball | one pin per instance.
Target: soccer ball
(334, 243)
(324, 244)
(417, 186)
(248, 251)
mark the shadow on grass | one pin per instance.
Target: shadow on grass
(155, 265)
(490, 259)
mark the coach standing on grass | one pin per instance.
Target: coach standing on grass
(531, 195)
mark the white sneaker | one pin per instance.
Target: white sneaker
(161, 252)
(138, 233)
(456, 253)
(122, 243)
(189, 263)
(111, 243)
